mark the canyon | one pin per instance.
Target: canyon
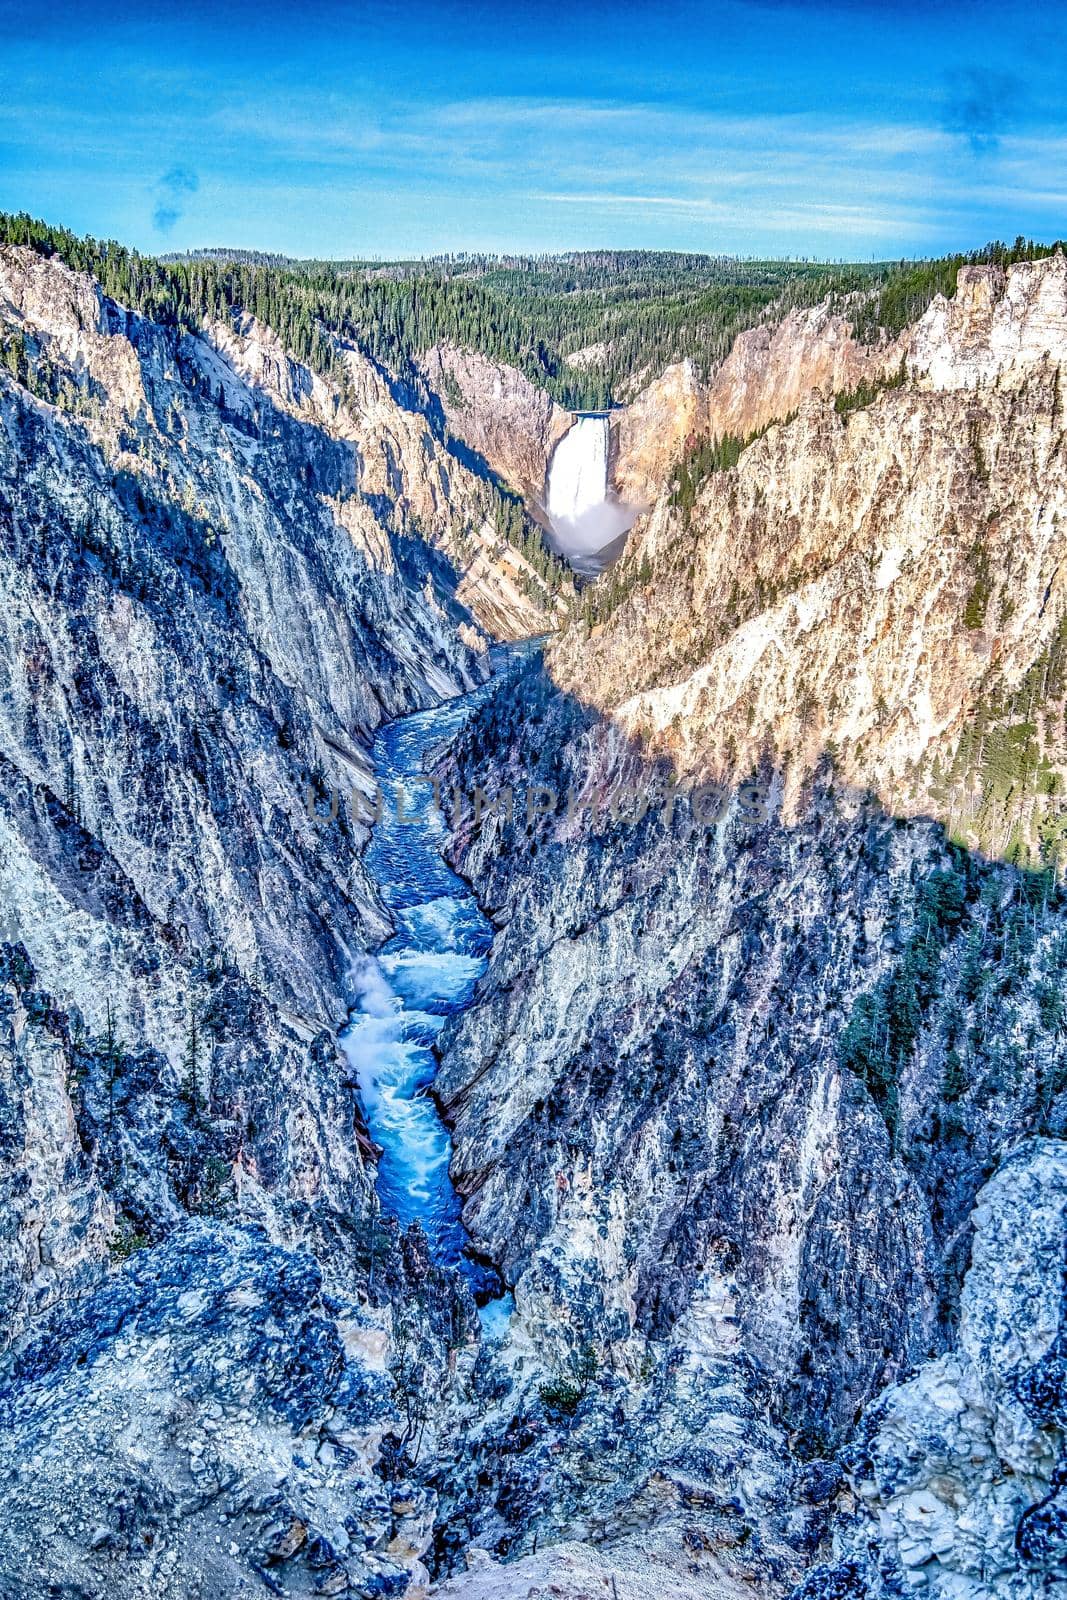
(643, 1173)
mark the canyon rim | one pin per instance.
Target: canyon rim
(533, 805)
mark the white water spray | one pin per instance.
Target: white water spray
(578, 476)
(586, 521)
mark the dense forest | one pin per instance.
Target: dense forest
(586, 326)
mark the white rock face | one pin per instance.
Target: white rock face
(997, 323)
(394, 459)
(570, 1571)
(399, 461)
(650, 434)
(959, 1477)
(105, 675)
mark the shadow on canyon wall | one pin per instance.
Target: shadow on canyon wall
(779, 1059)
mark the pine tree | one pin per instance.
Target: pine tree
(191, 1090)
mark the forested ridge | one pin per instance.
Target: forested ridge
(624, 314)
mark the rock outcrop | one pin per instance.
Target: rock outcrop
(1000, 323)
(649, 435)
(658, 1056)
(208, 1422)
(770, 372)
(498, 412)
(57, 1216)
(959, 1473)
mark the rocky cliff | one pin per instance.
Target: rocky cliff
(770, 371)
(957, 1474)
(901, 566)
(760, 1108)
(500, 414)
(951, 1484)
(991, 324)
(216, 585)
(649, 435)
(744, 1058)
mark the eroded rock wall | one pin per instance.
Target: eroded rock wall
(958, 1473)
(498, 412)
(737, 1073)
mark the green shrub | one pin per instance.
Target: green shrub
(126, 1241)
(560, 1396)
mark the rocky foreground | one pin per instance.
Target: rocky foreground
(759, 1110)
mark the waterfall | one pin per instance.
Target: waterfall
(587, 523)
(578, 475)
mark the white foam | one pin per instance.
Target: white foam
(371, 991)
(423, 977)
(434, 922)
(495, 1318)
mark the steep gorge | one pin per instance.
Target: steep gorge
(217, 585)
(741, 1064)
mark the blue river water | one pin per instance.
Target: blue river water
(423, 975)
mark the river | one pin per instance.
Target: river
(423, 975)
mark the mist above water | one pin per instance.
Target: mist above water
(588, 525)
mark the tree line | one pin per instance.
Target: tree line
(624, 314)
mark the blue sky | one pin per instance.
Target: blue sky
(836, 128)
